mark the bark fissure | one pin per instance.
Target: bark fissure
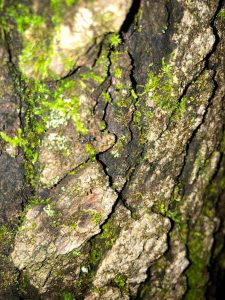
(130, 16)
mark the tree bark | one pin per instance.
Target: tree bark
(112, 149)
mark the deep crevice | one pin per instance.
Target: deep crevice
(130, 16)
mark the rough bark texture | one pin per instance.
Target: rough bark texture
(112, 149)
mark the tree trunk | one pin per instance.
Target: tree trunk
(112, 149)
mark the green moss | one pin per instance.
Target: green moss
(59, 8)
(24, 282)
(96, 217)
(33, 57)
(68, 296)
(90, 149)
(103, 125)
(37, 201)
(197, 272)
(99, 246)
(37, 32)
(75, 253)
(222, 13)
(5, 236)
(106, 97)
(46, 109)
(161, 90)
(137, 117)
(171, 209)
(103, 242)
(162, 208)
(133, 94)
(24, 17)
(37, 48)
(50, 210)
(160, 87)
(2, 3)
(119, 86)
(93, 76)
(115, 40)
(123, 102)
(73, 226)
(29, 138)
(118, 73)
(15, 141)
(120, 281)
(199, 253)
(196, 280)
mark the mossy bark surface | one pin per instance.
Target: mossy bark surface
(112, 166)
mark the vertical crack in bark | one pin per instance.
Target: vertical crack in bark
(134, 85)
(168, 10)
(17, 80)
(19, 87)
(130, 16)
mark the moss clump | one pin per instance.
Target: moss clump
(90, 149)
(23, 17)
(160, 88)
(59, 7)
(103, 242)
(37, 47)
(137, 117)
(120, 281)
(93, 76)
(45, 109)
(68, 296)
(103, 125)
(171, 209)
(106, 97)
(118, 73)
(115, 40)
(37, 31)
(222, 13)
(96, 217)
(99, 246)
